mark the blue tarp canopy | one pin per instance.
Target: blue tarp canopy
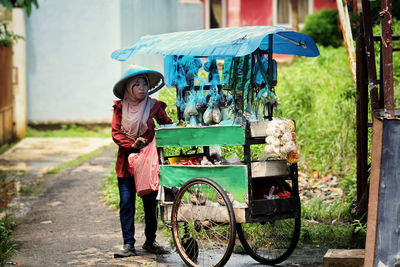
(222, 42)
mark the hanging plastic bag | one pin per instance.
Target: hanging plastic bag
(201, 103)
(211, 67)
(225, 114)
(169, 70)
(208, 116)
(216, 115)
(226, 72)
(145, 169)
(191, 106)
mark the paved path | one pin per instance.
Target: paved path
(37, 155)
(68, 225)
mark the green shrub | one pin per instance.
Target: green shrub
(323, 27)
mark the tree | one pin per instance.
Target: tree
(27, 4)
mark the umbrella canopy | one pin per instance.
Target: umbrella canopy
(222, 42)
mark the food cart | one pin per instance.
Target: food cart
(205, 199)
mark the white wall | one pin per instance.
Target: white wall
(69, 69)
(148, 17)
(70, 73)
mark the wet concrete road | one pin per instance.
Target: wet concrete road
(309, 256)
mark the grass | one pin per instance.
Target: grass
(111, 194)
(318, 210)
(5, 147)
(322, 225)
(7, 245)
(76, 161)
(327, 235)
(69, 130)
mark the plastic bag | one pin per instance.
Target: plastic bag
(191, 66)
(211, 67)
(281, 140)
(193, 121)
(225, 114)
(190, 109)
(208, 116)
(201, 103)
(216, 115)
(233, 160)
(145, 169)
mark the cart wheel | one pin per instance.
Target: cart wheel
(204, 233)
(270, 242)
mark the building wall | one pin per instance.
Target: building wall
(261, 12)
(70, 73)
(320, 4)
(148, 17)
(256, 12)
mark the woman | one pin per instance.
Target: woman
(133, 127)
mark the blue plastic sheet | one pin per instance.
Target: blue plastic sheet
(222, 42)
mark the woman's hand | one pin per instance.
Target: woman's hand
(139, 139)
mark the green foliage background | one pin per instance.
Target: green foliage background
(319, 94)
(323, 27)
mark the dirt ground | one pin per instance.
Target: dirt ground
(69, 225)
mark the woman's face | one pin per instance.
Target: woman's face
(139, 87)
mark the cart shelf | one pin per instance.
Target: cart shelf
(233, 178)
(269, 168)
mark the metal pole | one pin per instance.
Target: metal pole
(370, 52)
(387, 58)
(362, 118)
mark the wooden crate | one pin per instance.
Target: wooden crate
(344, 258)
(269, 168)
(257, 128)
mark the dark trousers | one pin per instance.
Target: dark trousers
(127, 196)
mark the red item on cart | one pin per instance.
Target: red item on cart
(284, 194)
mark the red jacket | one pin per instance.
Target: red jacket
(124, 143)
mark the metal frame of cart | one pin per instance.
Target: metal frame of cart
(213, 203)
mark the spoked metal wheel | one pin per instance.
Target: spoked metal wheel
(270, 242)
(203, 223)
